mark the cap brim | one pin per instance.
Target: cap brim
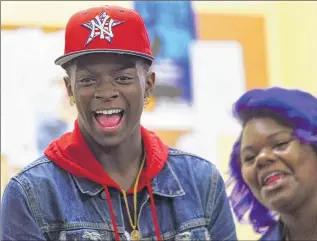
(68, 57)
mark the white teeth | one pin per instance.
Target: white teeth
(271, 175)
(108, 112)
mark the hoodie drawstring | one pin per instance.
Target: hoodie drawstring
(156, 225)
(113, 217)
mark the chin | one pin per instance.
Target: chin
(281, 202)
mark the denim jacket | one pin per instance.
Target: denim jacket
(44, 202)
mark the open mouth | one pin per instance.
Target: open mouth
(109, 119)
(273, 180)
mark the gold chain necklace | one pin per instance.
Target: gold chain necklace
(135, 234)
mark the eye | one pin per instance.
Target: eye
(249, 159)
(281, 145)
(87, 80)
(123, 79)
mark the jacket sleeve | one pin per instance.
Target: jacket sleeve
(17, 219)
(222, 226)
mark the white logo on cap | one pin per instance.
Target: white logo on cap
(101, 26)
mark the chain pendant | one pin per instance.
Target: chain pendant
(135, 235)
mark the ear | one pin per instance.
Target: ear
(150, 81)
(68, 86)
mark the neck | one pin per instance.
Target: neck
(120, 162)
(301, 224)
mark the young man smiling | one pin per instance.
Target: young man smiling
(111, 178)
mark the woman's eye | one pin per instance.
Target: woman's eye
(249, 159)
(281, 145)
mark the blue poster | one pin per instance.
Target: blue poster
(171, 26)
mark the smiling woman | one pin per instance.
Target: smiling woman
(274, 163)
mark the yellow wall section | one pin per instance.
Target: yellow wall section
(297, 37)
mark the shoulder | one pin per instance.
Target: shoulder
(190, 162)
(39, 173)
(194, 169)
(33, 181)
(182, 157)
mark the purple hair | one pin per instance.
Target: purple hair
(293, 108)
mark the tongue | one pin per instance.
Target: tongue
(273, 179)
(109, 120)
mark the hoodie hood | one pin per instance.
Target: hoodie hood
(72, 153)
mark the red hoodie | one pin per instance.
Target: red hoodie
(72, 153)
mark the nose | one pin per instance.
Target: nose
(106, 91)
(265, 158)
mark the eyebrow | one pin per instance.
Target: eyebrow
(269, 137)
(82, 67)
(279, 132)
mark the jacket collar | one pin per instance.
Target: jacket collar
(165, 184)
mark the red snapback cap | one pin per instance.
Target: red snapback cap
(106, 29)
